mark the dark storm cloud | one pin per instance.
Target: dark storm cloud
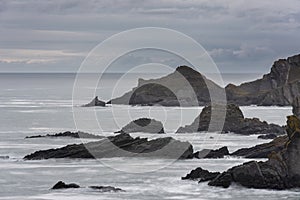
(56, 35)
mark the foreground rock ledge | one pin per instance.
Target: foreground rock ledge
(281, 171)
(121, 145)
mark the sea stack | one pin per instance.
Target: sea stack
(95, 102)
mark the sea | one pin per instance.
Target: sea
(41, 103)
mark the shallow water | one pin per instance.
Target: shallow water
(29, 110)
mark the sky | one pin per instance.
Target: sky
(55, 36)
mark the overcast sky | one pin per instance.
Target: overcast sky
(55, 36)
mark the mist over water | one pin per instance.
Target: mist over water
(32, 104)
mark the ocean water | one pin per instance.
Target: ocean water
(32, 104)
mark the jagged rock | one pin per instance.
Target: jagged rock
(184, 87)
(122, 145)
(78, 134)
(262, 150)
(63, 185)
(201, 175)
(234, 122)
(144, 125)
(279, 87)
(95, 102)
(281, 171)
(296, 106)
(267, 136)
(208, 153)
(106, 189)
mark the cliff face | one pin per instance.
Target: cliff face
(184, 87)
(279, 87)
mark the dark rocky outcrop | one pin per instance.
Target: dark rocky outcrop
(63, 185)
(78, 134)
(281, 171)
(208, 153)
(201, 175)
(234, 122)
(279, 87)
(267, 136)
(262, 150)
(95, 102)
(122, 145)
(106, 189)
(184, 87)
(144, 125)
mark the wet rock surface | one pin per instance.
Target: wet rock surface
(106, 189)
(121, 145)
(144, 125)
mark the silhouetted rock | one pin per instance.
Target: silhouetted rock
(122, 145)
(144, 125)
(184, 87)
(281, 171)
(106, 189)
(78, 134)
(201, 175)
(267, 136)
(279, 87)
(208, 153)
(62, 185)
(234, 122)
(95, 102)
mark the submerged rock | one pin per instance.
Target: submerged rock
(106, 189)
(122, 145)
(267, 136)
(281, 171)
(144, 125)
(201, 175)
(234, 122)
(95, 102)
(78, 134)
(63, 185)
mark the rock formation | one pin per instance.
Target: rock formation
(201, 175)
(262, 150)
(208, 153)
(184, 87)
(234, 122)
(122, 145)
(78, 134)
(279, 87)
(63, 185)
(144, 125)
(95, 102)
(281, 171)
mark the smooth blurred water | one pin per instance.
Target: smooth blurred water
(33, 104)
